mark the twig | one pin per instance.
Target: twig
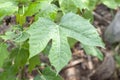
(100, 17)
(90, 64)
(73, 63)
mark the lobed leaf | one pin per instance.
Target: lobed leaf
(111, 4)
(91, 50)
(80, 29)
(73, 5)
(71, 25)
(7, 8)
(42, 8)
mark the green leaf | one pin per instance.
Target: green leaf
(91, 50)
(60, 52)
(71, 25)
(21, 57)
(38, 77)
(48, 10)
(8, 35)
(43, 5)
(80, 29)
(52, 75)
(46, 51)
(72, 42)
(118, 1)
(7, 8)
(82, 4)
(3, 53)
(73, 5)
(110, 3)
(33, 8)
(23, 1)
(67, 6)
(88, 15)
(10, 73)
(33, 62)
(22, 37)
(92, 4)
(117, 58)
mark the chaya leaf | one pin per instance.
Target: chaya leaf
(73, 5)
(7, 8)
(39, 5)
(48, 10)
(91, 50)
(109, 2)
(3, 53)
(88, 15)
(33, 8)
(71, 25)
(52, 75)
